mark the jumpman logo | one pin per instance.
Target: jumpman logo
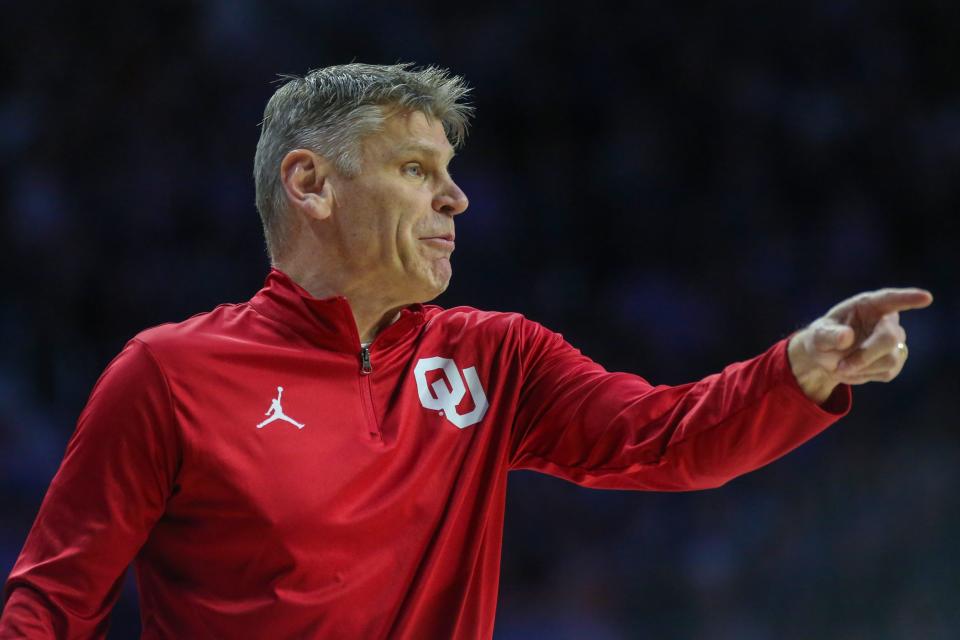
(275, 412)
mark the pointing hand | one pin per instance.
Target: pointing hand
(859, 340)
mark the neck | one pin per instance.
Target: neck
(372, 311)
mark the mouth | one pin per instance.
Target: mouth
(445, 241)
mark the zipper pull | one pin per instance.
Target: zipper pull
(365, 366)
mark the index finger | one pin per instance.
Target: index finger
(890, 300)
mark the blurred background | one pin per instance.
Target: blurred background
(671, 188)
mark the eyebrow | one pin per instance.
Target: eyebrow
(426, 149)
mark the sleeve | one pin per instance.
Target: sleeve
(112, 486)
(579, 422)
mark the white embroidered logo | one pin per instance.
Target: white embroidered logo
(275, 412)
(438, 396)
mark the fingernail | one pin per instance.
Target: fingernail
(843, 366)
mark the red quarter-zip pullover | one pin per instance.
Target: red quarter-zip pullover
(269, 478)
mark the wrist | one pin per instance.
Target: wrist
(815, 381)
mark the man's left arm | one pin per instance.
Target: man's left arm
(577, 421)
(859, 340)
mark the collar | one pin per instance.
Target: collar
(325, 322)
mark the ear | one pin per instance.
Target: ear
(304, 175)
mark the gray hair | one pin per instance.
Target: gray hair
(330, 110)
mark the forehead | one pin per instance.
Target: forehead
(407, 131)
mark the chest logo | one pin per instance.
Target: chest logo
(275, 412)
(447, 392)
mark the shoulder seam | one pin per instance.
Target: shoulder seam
(166, 388)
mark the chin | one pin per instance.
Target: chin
(434, 280)
(431, 288)
(429, 293)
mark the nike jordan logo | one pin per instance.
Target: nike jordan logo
(275, 412)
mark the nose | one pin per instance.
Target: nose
(451, 200)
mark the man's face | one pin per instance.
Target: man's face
(396, 218)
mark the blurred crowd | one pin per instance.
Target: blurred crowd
(673, 188)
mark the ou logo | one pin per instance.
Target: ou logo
(438, 396)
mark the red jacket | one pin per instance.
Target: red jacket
(365, 499)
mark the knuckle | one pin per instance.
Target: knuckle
(888, 340)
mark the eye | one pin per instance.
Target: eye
(413, 169)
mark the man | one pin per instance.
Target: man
(371, 506)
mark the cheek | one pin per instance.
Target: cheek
(410, 251)
(377, 231)
(407, 236)
(388, 226)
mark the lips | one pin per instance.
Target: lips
(443, 241)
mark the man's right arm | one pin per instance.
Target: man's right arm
(112, 486)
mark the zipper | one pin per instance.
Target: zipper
(366, 395)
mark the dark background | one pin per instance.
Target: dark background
(673, 189)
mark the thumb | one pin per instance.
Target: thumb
(833, 336)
